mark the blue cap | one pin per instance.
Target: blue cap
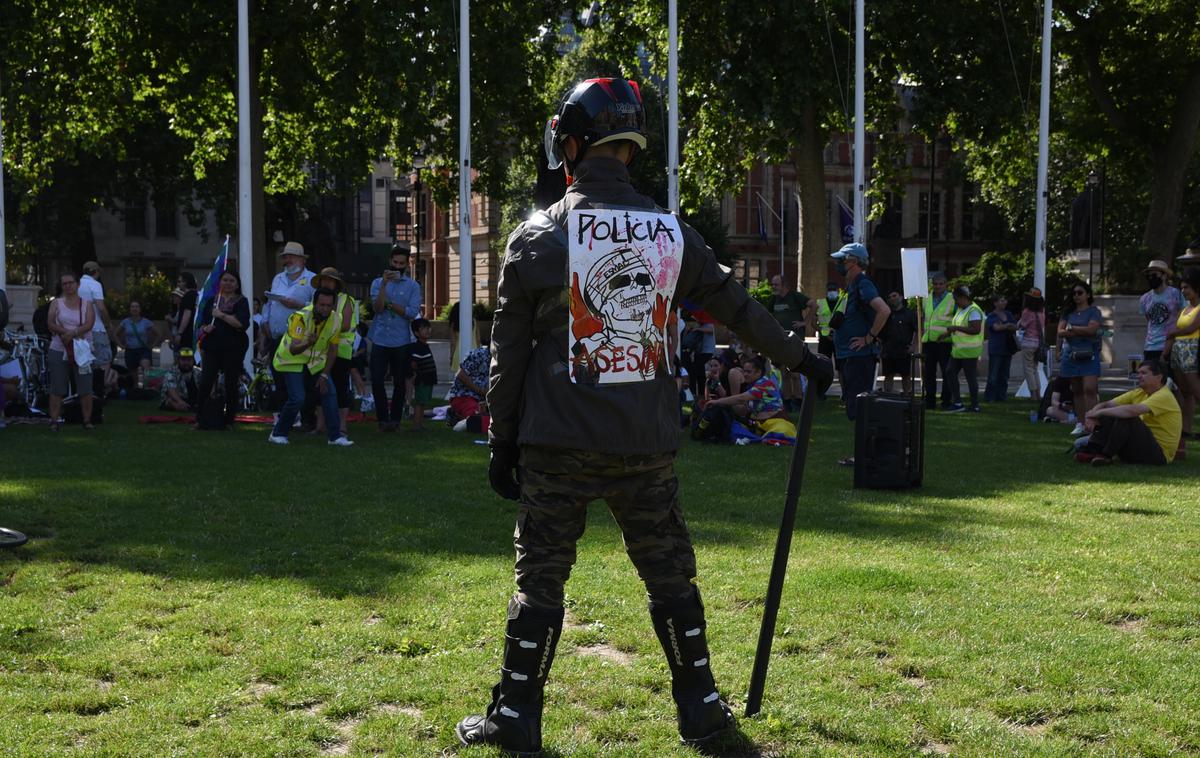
(852, 250)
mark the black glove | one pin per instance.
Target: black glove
(502, 470)
(818, 369)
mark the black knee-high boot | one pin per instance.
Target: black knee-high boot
(514, 718)
(702, 714)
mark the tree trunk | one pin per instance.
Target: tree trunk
(809, 159)
(1171, 162)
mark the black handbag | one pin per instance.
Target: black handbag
(1082, 356)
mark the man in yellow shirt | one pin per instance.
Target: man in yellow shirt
(1140, 426)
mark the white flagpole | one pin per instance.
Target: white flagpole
(673, 105)
(3, 258)
(860, 187)
(1039, 244)
(245, 211)
(466, 254)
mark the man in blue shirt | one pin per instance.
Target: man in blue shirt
(856, 340)
(396, 301)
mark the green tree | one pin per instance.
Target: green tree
(140, 96)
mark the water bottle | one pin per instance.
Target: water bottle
(1033, 417)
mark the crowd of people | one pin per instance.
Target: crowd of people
(307, 329)
(312, 334)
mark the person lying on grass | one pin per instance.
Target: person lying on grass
(1140, 426)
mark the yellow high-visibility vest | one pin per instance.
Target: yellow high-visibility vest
(346, 342)
(824, 313)
(300, 325)
(937, 318)
(967, 345)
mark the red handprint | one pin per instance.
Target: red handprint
(583, 322)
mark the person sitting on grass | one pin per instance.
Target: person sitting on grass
(1140, 426)
(422, 373)
(470, 385)
(181, 384)
(713, 388)
(762, 400)
(1058, 404)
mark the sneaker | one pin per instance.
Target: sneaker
(956, 408)
(975, 409)
(1078, 430)
(277, 440)
(342, 441)
(1101, 460)
(1086, 457)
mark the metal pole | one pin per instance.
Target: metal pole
(3, 257)
(860, 126)
(782, 216)
(1039, 243)
(245, 211)
(1103, 182)
(673, 105)
(783, 547)
(466, 254)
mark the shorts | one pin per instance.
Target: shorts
(422, 394)
(101, 348)
(135, 355)
(1184, 356)
(60, 376)
(896, 366)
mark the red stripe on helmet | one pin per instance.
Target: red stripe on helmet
(605, 84)
(636, 89)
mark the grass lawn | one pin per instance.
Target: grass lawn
(190, 593)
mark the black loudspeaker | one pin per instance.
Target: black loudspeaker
(889, 441)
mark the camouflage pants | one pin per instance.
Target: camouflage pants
(642, 493)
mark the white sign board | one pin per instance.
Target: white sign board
(624, 265)
(916, 272)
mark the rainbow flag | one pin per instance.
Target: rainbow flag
(212, 286)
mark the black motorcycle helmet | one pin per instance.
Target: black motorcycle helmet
(596, 111)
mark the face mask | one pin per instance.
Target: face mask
(290, 270)
(831, 295)
(841, 267)
(1154, 279)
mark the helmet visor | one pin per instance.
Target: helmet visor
(553, 158)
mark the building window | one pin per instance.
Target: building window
(135, 218)
(929, 219)
(422, 215)
(970, 201)
(365, 212)
(746, 205)
(166, 222)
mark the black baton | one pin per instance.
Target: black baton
(783, 546)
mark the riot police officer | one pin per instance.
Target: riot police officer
(583, 404)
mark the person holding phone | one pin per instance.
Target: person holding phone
(396, 301)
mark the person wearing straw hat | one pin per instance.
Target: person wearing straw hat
(291, 290)
(346, 309)
(1160, 306)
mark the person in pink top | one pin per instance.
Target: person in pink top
(1032, 328)
(70, 318)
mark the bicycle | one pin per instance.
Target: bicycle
(29, 350)
(259, 393)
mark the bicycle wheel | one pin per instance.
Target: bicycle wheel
(11, 538)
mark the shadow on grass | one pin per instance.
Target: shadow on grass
(190, 505)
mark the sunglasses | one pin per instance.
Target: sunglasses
(1080, 292)
(621, 281)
